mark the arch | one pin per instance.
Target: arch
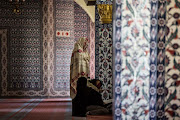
(90, 10)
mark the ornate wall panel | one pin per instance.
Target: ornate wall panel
(64, 21)
(81, 22)
(172, 61)
(103, 59)
(45, 48)
(3, 59)
(153, 60)
(97, 25)
(39, 58)
(117, 58)
(167, 55)
(92, 50)
(132, 59)
(24, 50)
(49, 47)
(161, 59)
(135, 53)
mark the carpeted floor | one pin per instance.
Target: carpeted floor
(35, 109)
(40, 109)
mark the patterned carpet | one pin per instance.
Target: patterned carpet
(36, 109)
(41, 109)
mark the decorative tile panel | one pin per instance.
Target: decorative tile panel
(117, 58)
(3, 60)
(132, 59)
(81, 22)
(60, 33)
(161, 59)
(135, 54)
(172, 61)
(20, 20)
(103, 58)
(64, 21)
(153, 60)
(24, 49)
(92, 50)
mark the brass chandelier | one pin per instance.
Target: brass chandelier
(16, 4)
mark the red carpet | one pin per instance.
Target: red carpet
(35, 109)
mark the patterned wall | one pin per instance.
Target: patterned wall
(117, 58)
(64, 21)
(81, 23)
(135, 54)
(153, 60)
(31, 35)
(69, 16)
(36, 57)
(103, 59)
(161, 58)
(172, 61)
(164, 55)
(24, 48)
(3, 57)
(92, 50)
(132, 58)
(28, 34)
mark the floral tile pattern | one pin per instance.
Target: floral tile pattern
(135, 54)
(172, 68)
(117, 58)
(103, 59)
(132, 52)
(153, 60)
(161, 59)
(164, 57)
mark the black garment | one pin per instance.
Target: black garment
(78, 106)
(93, 97)
(85, 96)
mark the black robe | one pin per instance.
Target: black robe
(85, 96)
